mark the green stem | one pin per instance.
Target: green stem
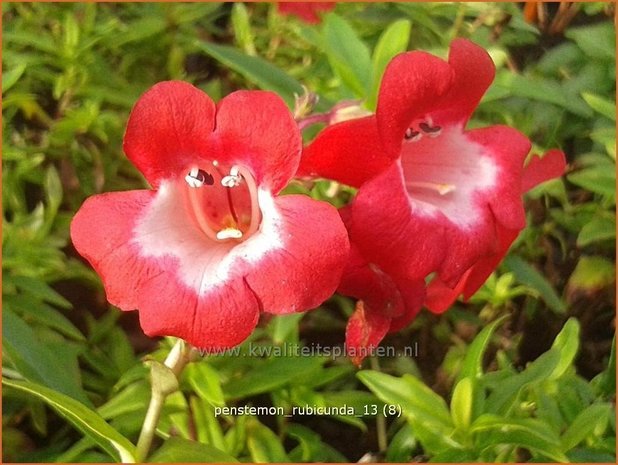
(380, 420)
(178, 358)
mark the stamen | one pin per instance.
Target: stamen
(412, 135)
(197, 178)
(429, 130)
(233, 179)
(440, 188)
(229, 233)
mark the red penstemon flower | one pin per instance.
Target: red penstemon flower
(306, 11)
(211, 244)
(434, 197)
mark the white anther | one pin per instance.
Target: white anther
(194, 179)
(229, 233)
(233, 179)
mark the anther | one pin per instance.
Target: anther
(233, 179)
(429, 130)
(412, 135)
(198, 177)
(229, 233)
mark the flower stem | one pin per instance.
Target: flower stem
(380, 420)
(164, 381)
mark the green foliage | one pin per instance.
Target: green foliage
(495, 416)
(71, 73)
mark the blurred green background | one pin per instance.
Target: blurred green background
(491, 381)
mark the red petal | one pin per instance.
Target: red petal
(541, 169)
(388, 230)
(412, 84)
(256, 129)
(168, 129)
(305, 264)
(101, 232)
(221, 317)
(349, 152)
(366, 328)
(474, 72)
(307, 11)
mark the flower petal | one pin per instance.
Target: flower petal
(412, 84)
(168, 129)
(256, 129)
(101, 232)
(307, 11)
(474, 71)
(349, 152)
(142, 266)
(365, 329)
(309, 250)
(541, 169)
(390, 231)
(221, 317)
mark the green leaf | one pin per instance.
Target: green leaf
(600, 105)
(85, 420)
(36, 361)
(402, 446)
(393, 40)
(10, 77)
(242, 28)
(596, 178)
(528, 275)
(567, 345)
(284, 327)
(597, 41)
(275, 373)
(255, 69)
(178, 450)
(592, 274)
(205, 382)
(311, 448)
(528, 433)
(461, 403)
(347, 54)
(506, 391)
(425, 410)
(31, 309)
(585, 423)
(264, 445)
(473, 361)
(600, 228)
(40, 290)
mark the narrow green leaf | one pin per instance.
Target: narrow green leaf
(528, 433)
(36, 361)
(255, 69)
(461, 403)
(264, 445)
(425, 410)
(393, 40)
(567, 345)
(204, 380)
(528, 275)
(600, 228)
(347, 54)
(277, 372)
(596, 178)
(505, 393)
(85, 420)
(473, 361)
(179, 450)
(402, 446)
(585, 423)
(600, 105)
(10, 77)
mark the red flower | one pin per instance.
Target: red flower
(434, 197)
(211, 245)
(307, 11)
